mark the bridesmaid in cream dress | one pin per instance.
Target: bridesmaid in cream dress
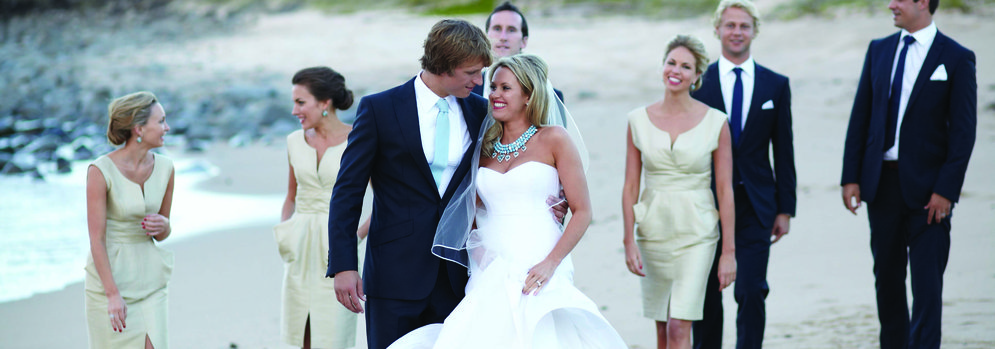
(302, 236)
(676, 140)
(129, 192)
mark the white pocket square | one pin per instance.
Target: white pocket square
(940, 74)
(769, 104)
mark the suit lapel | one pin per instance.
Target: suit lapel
(882, 80)
(760, 81)
(928, 66)
(406, 112)
(712, 88)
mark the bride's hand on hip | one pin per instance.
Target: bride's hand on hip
(538, 276)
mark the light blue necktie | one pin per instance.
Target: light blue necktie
(441, 160)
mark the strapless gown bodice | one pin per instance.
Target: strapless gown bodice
(515, 231)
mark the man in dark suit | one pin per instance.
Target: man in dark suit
(509, 34)
(413, 143)
(758, 102)
(911, 134)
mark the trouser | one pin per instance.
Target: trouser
(750, 288)
(389, 319)
(900, 239)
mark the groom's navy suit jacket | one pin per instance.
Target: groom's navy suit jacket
(937, 132)
(770, 191)
(385, 150)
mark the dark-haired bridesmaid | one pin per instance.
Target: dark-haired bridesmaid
(314, 153)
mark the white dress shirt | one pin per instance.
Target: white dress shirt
(913, 63)
(727, 79)
(459, 138)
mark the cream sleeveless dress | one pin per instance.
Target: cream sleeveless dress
(677, 223)
(303, 245)
(140, 268)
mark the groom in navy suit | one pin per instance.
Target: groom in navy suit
(758, 102)
(911, 134)
(413, 143)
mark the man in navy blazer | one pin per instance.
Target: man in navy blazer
(395, 147)
(509, 34)
(910, 137)
(758, 102)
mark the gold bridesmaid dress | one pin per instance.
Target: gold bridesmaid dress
(677, 223)
(303, 245)
(141, 269)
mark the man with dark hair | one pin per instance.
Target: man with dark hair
(912, 130)
(509, 34)
(413, 144)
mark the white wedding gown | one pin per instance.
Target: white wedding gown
(515, 232)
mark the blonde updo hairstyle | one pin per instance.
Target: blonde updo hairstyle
(531, 71)
(697, 49)
(124, 113)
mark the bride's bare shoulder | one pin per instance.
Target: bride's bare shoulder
(553, 135)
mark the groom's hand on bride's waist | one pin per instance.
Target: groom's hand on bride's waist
(349, 290)
(559, 206)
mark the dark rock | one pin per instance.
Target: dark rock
(178, 126)
(5, 158)
(82, 152)
(20, 140)
(241, 139)
(62, 165)
(28, 126)
(7, 126)
(21, 162)
(247, 94)
(272, 113)
(196, 146)
(44, 143)
(88, 130)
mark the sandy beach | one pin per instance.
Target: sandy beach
(225, 291)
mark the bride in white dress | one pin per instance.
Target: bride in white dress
(520, 293)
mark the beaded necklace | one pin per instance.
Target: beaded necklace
(501, 151)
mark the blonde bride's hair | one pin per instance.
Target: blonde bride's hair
(531, 71)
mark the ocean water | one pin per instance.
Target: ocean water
(43, 236)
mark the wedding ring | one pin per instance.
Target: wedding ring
(539, 282)
(112, 316)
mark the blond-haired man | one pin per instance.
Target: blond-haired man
(758, 102)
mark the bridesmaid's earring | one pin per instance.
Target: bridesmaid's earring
(139, 139)
(324, 113)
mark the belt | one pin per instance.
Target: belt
(890, 164)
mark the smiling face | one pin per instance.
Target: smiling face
(508, 99)
(307, 108)
(910, 15)
(154, 130)
(506, 35)
(679, 69)
(736, 32)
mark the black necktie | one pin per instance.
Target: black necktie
(736, 114)
(896, 95)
